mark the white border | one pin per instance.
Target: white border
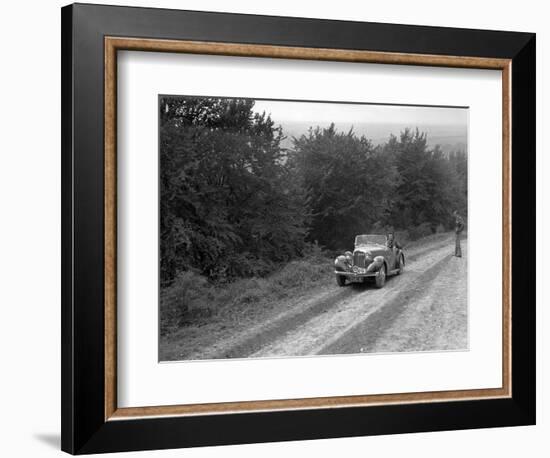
(143, 381)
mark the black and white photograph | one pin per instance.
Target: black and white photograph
(298, 228)
(275, 229)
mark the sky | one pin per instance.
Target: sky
(346, 113)
(444, 126)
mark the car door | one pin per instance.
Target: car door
(391, 258)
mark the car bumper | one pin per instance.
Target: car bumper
(354, 275)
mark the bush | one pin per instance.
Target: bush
(298, 273)
(402, 237)
(244, 291)
(180, 299)
(314, 252)
(422, 230)
(192, 298)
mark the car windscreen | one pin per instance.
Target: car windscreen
(369, 239)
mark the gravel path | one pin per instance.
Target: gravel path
(431, 315)
(425, 309)
(369, 320)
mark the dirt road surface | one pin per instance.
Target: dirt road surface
(424, 309)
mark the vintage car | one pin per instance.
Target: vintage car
(374, 257)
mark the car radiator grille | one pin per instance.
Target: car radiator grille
(359, 259)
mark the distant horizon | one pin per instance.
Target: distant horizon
(322, 112)
(444, 126)
(450, 138)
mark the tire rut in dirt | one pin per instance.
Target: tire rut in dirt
(416, 255)
(364, 335)
(279, 328)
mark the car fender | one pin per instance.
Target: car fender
(341, 263)
(376, 263)
(400, 253)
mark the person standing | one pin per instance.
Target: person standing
(459, 227)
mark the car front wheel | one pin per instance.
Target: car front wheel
(381, 277)
(341, 280)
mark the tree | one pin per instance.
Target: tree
(431, 184)
(347, 183)
(228, 206)
(235, 203)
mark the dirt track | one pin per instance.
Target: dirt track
(425, 309)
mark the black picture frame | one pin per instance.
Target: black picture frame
(84, 428)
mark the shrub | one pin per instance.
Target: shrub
(314, 252)
(192, 298)
(402, 237)
(422, 230)
(178, 300)
(296, 273)
(245, 291)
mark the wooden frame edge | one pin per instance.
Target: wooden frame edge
(291, 52)
(110, 201)
(507, 227)
(111, 46)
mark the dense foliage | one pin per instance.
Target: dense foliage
(229, 206)
(235, 203)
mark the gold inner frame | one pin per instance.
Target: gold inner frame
(114, 44)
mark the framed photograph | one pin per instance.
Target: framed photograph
(284, 228)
